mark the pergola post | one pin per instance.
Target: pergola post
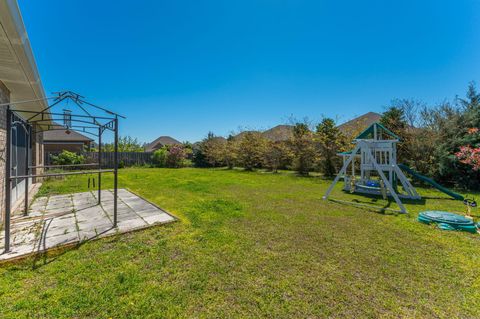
(115, 174)
(27, 164)
(99, 165)
(8, 190)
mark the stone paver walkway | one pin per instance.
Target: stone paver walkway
(67, 219)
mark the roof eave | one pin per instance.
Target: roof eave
(21, 75)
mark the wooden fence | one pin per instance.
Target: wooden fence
(125, 159)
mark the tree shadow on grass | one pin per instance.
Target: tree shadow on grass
(379, 209)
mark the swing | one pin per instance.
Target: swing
(370, 185)
(372, 188)
(383, 189)
(469, 203)
(93, 181)
(352, 184)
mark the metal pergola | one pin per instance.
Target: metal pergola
(34, 122)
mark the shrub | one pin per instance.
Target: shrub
(175, 156)
(470, 156)
(159, 157)
(187, 163)
(198, 156)
(67, 158)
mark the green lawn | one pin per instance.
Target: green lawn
(253, 245)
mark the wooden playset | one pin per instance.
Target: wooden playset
(375, 158)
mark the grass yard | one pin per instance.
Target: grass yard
(252, 245)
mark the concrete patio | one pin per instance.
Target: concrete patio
(61, 220)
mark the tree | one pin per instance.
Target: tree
(230, 156)
(411, 110)
(440, 132)
(454, 144)
(330, 141)
(251, 150)
(417, 146)
(467, 140)
(198, 156)
(277, 155)
(394, 120)
(472, 101)
(303, 148)
(213, 148)
(125, 144)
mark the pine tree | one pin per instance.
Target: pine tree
(330, 141)
(303, 149)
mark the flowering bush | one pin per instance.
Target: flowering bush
(176, 156)
(470, 155)
(473, 130)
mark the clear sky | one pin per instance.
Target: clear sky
(183, 68)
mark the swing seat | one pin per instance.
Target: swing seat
(371, 188)
(371, 183)
(470, 202)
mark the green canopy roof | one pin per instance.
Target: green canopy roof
(369, 133)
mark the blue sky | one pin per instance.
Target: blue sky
(183, 68)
